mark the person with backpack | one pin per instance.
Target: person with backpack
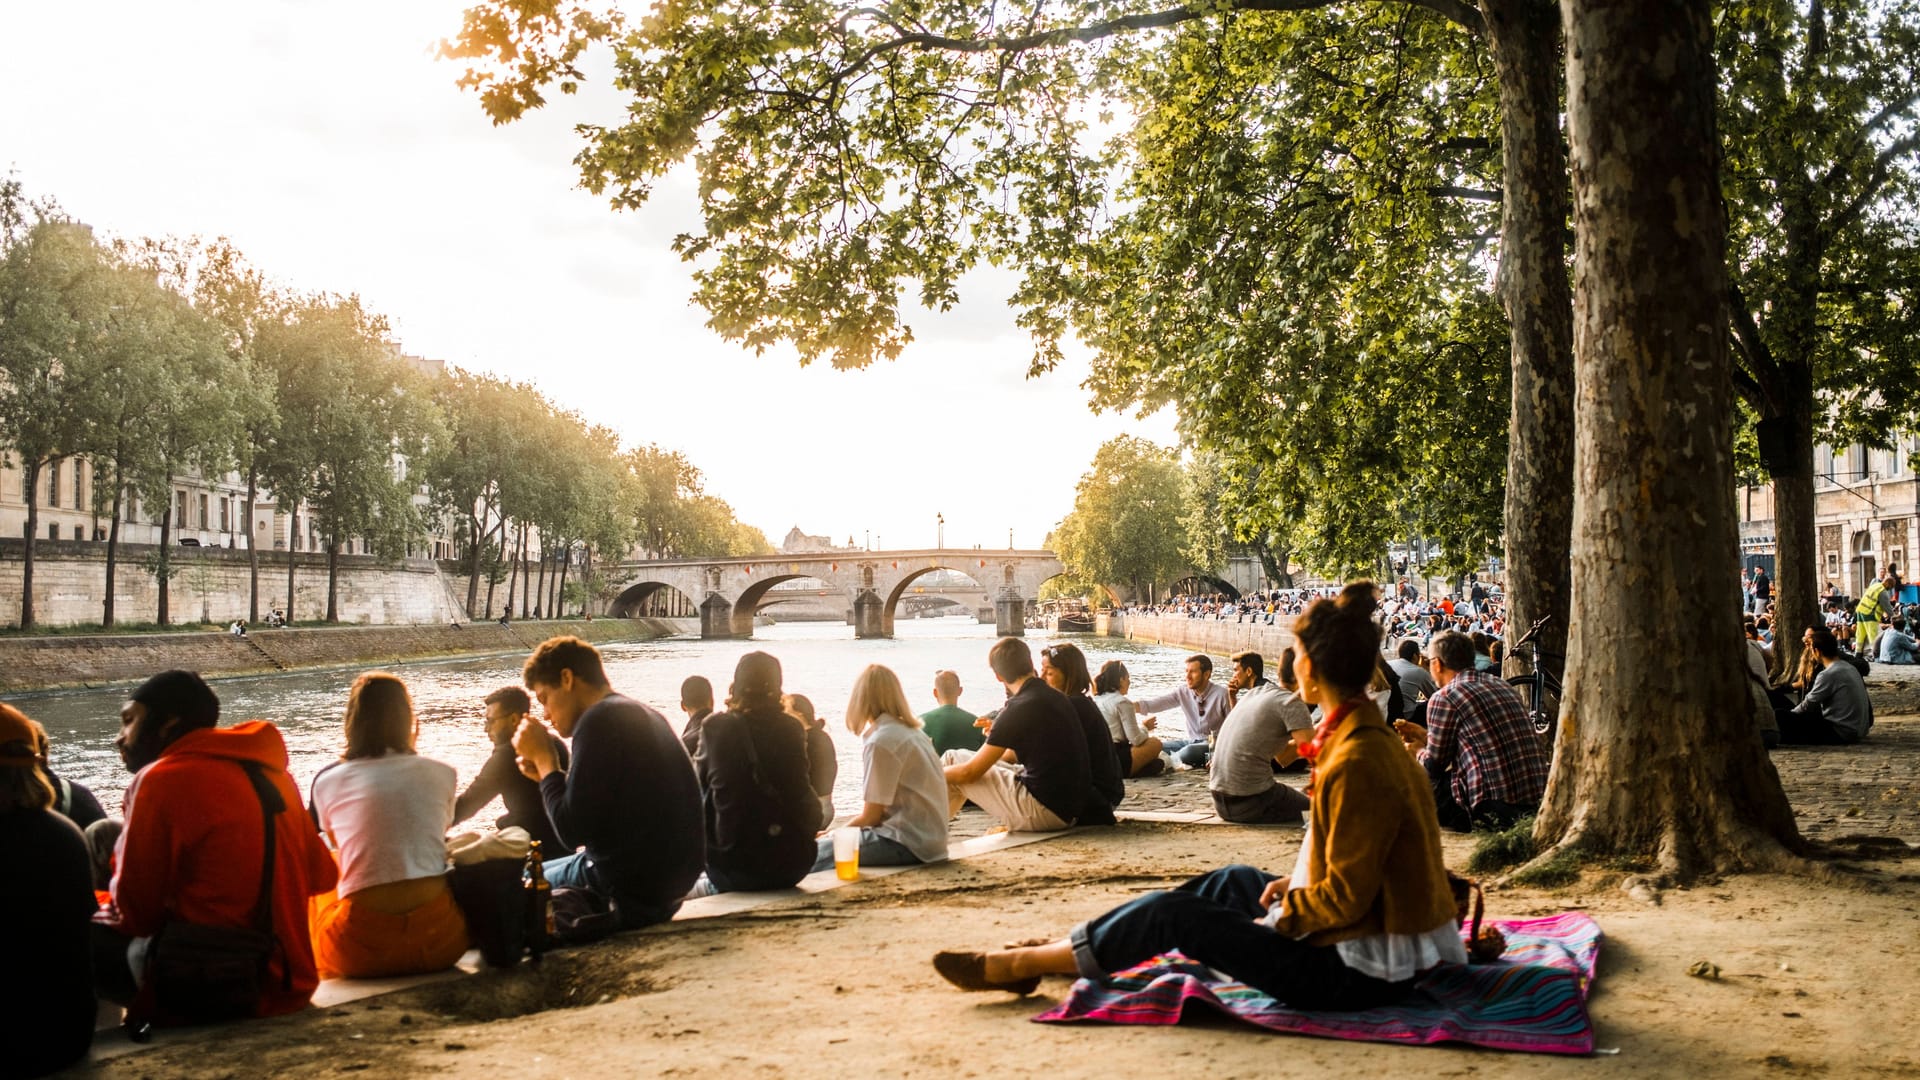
(760, 809)
(218, 858)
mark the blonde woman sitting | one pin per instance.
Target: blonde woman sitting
(903, 813)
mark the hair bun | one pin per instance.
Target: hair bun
(1359, 598)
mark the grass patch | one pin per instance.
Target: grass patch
(1562, 869)
(1497, 851)
(194, 627)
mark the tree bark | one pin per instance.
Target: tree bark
(1532, 284)
(473, 563)
(333, 579)
(1797, 572)
(32, 538)
(163, 565)
(493, 576)
(513, 568)
(560, 586)
(113, 553)
(253, 548)
(1658, 754)
(541, 587)
(525, 571)
(293, 539)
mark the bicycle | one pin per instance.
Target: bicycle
(1541, 686)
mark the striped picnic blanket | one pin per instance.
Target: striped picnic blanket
(1533, 998)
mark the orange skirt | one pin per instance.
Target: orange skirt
(353, 941)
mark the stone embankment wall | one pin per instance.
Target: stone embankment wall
(108, 659)
(70, 579)
(1214, 637)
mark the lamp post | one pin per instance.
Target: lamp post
(939, 531)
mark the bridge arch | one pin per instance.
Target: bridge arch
(906, 582)
(656, 598)
(747, 604)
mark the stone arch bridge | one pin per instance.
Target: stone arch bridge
(728, 593)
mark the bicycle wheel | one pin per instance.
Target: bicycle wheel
(1545, 717)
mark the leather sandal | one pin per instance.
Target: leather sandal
(968, 971)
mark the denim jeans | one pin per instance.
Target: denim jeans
(875, 850)
(1210, 919)
(1195, 754)
(578, 872)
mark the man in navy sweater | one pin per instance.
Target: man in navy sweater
(629, 798)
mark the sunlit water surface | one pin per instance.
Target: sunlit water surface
(820, 660)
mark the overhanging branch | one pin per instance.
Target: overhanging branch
(1463, 14)
(1449, 191)
(1877, 179)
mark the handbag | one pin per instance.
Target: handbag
(204, 974)
(1484, 943)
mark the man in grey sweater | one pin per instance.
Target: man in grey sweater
(1836, 709)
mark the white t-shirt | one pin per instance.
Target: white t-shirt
(904, 775)
(388, 816)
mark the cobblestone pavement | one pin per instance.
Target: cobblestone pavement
(1871, 789)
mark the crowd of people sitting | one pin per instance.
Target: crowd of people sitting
(1478, 608)
(632, 819)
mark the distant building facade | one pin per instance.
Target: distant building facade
(1866, 515)
(799, 543)
(209, 511)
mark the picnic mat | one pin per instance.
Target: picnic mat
(1533, 998)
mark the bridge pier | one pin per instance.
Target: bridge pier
(1010, 614)
(716, 618)
(869, 615)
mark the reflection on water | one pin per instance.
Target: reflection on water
(820, 660)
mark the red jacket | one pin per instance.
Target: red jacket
(192, 850)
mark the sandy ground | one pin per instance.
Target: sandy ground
(1815, 979)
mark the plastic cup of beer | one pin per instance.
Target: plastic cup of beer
(846, 853)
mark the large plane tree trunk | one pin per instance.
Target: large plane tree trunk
(1658, 754)
(1533, 287)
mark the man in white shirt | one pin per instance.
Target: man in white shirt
(1203, 704)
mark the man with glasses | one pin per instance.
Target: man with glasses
(1202, 703)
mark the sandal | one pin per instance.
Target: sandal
(968, 971)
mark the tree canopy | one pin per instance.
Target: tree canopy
(1126, 527)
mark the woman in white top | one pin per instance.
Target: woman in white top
(386, 810)
(1138, 752)
(903, 812)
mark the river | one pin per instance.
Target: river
(819, 660)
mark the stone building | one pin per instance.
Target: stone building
(1866, 512)
(209, 511)
(799, 543)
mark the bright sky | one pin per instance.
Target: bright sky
(329, 144)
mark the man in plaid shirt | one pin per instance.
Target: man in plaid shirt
(1487, 765)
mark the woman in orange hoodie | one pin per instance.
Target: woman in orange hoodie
(1367, 907)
